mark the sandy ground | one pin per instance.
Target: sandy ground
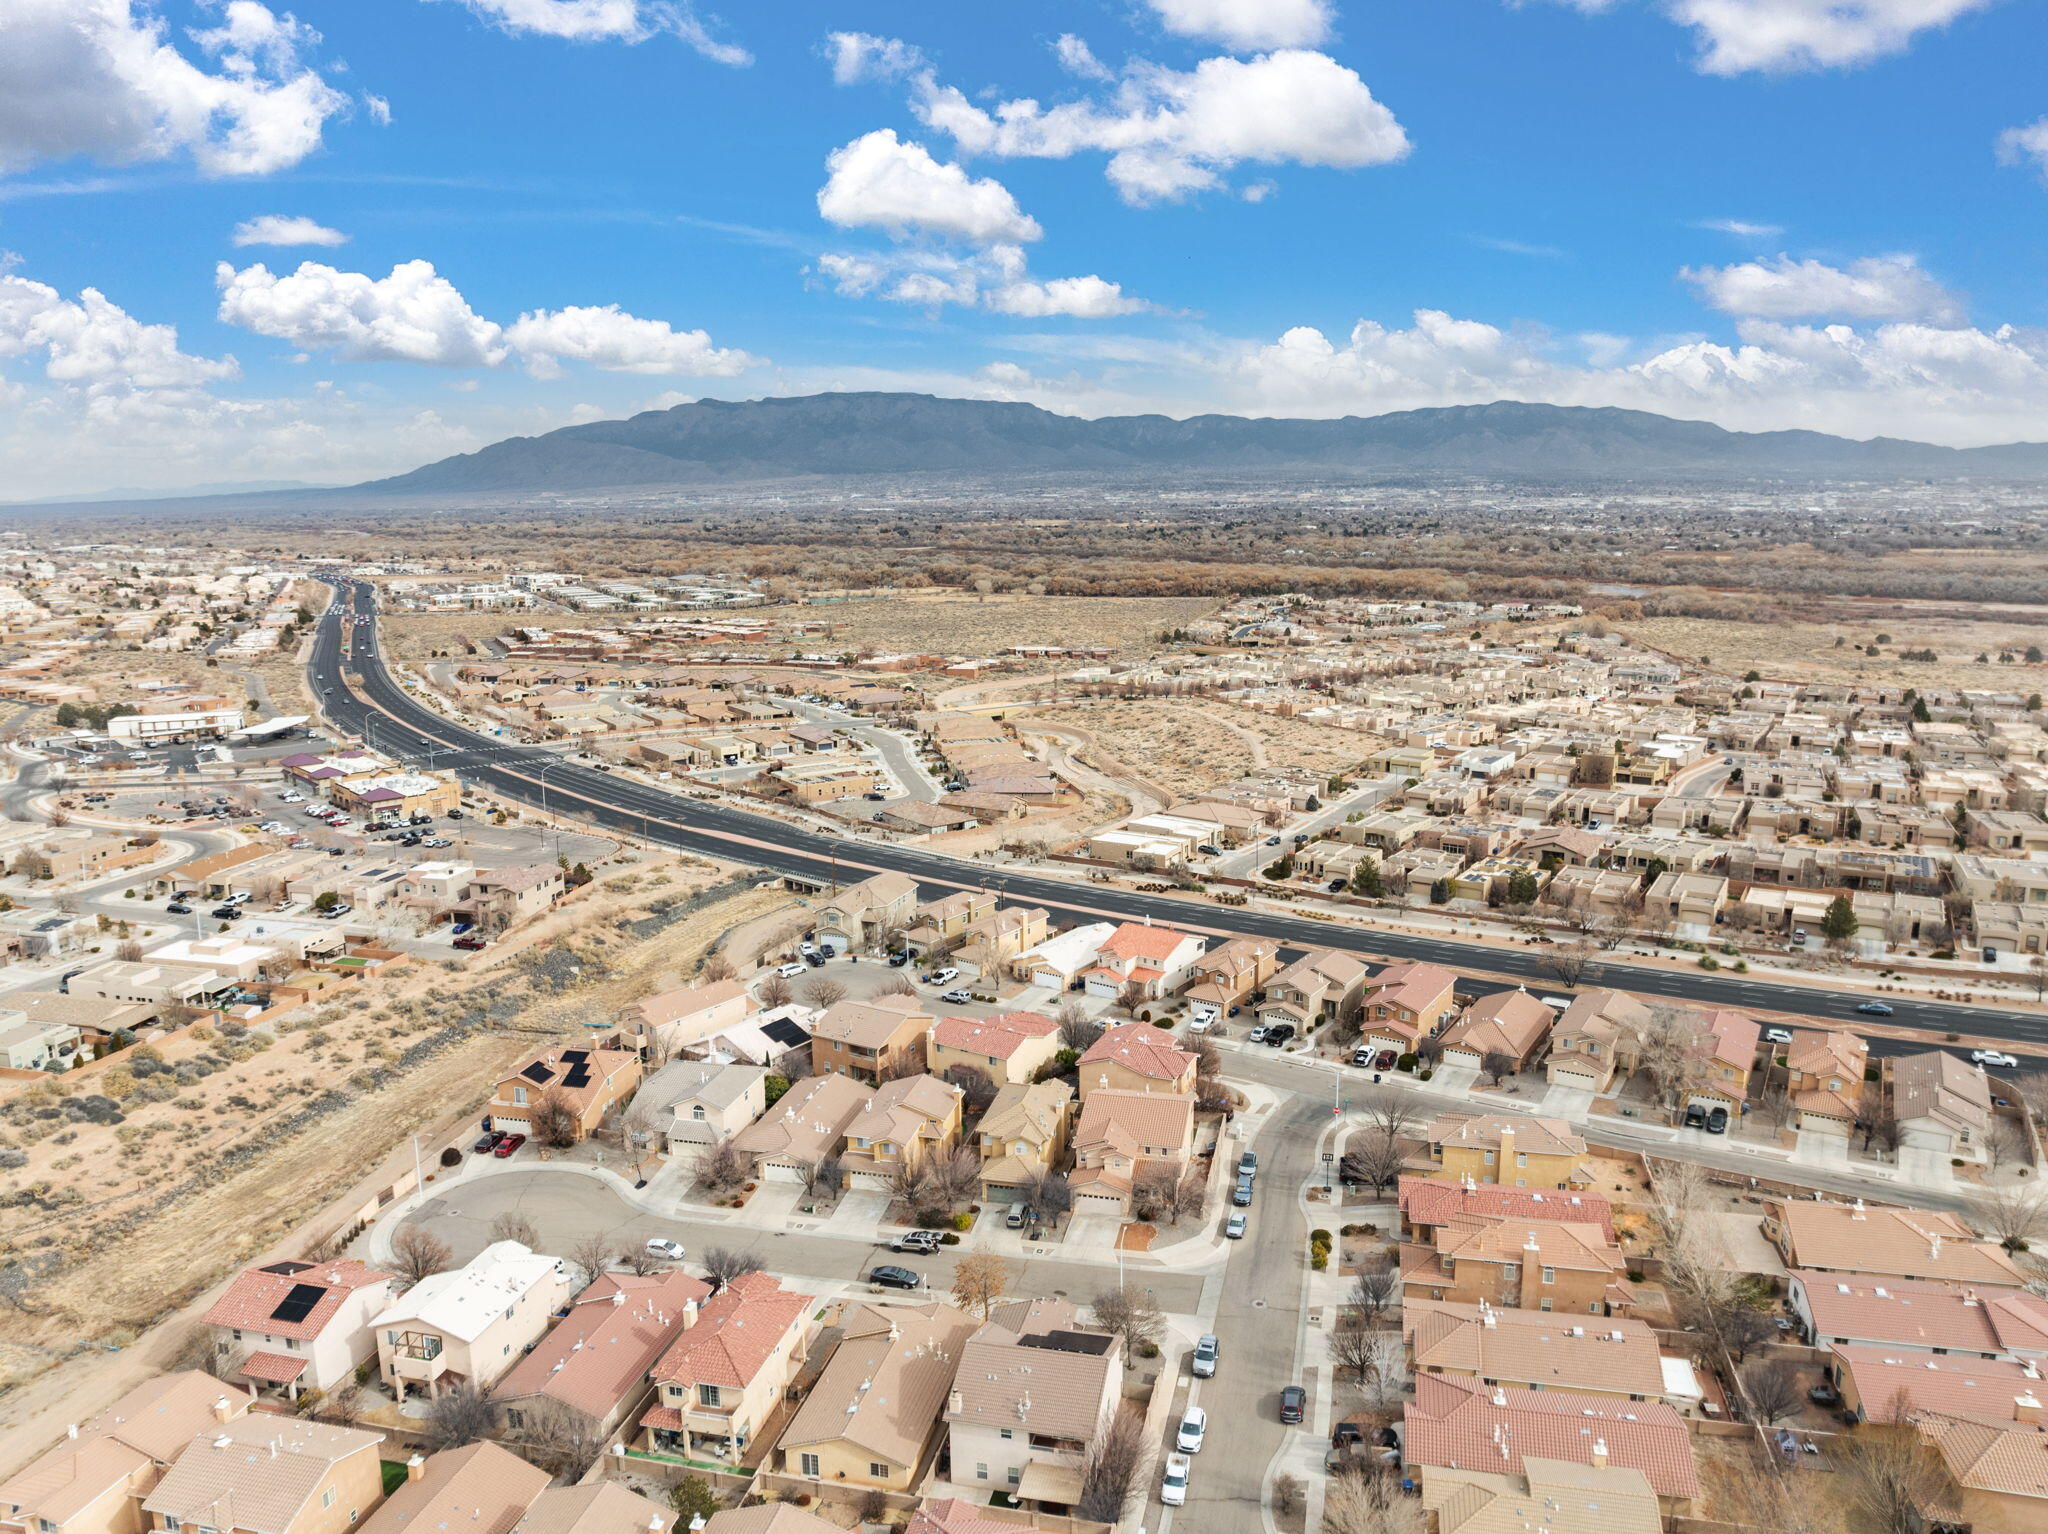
(1183, 745)
(1807, 651)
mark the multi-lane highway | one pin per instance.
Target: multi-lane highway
(360, 696)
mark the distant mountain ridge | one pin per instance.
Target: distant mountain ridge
(876, 433)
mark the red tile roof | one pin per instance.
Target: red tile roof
(252, 1299)
(274, 1368)
(1462, 1424)
(1436, 1201)
(1135, 940)
(598, 1354)
(1979, 1387)
(737, 1331)
(1000, 1036)
(1141, 1048)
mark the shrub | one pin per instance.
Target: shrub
(963, 1221)
(1424, 1075)
(948, 1238)
(1319, 1237)
(1407, 1062)
(1708, 961)
(1319, 1259)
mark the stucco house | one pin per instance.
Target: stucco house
(1022, 1136)
(1136, 1057)
(722, 1378)
(470, 1324)
(297, 1326)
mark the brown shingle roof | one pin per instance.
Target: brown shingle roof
(884, 1389)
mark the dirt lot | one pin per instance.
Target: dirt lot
(1738, 1487)
(964, 625)
(1797, 652)
(259, 1136)
(1184, 746)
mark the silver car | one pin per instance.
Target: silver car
(1203, 1362)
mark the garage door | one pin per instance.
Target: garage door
(837, 942)
(1098, 1203)
(1051, 979)
(1576, 1079)
(782, 1171)
(868, 1182)
(1102, 988)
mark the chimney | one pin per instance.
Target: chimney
(1507, 1148)
(2026, 1408)
(1934, 1248)
(1856, 1210)
(618, 1296)
(955, 1403)
(415, 1467)
(1599, 1454)
(222, 1411)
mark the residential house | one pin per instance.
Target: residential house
(1011, 1047)
(478, 1489)
(721, 1381)
(470, 1324)
(1555, 1495)
(1883, 1384)
(586, 1083)
(772, 1518)
(1689, 903)
(595, 1507)
(1520, 1263)
(2002, 1467)
(677, 1022)
(1917, 1316)
(903, 1123)
(1454, 1423)
(1314, 988)
(1428, 1203)
(1528, 1350)
(1942, 1106)
(988, 946)
(808, 1124)
(697, 1103)
(1136, 1057)
(1887, 1243)
(1598, 1036)
(497, 899)
(865, 915)
(1021, 1137)
(1510, 1024)
(1142, 961)
(1032, 1391)
(1123, 1140)
(870, 1040)
(1505, 1149)
(941, 924)
(1723, 1054)
(297, 1325)
(875, 1415)
(94, 1480)
(1405, 1003)
(1227, 975)
(1058, 962)
(591, 1367)
(1824, 1075)
(268, 1474)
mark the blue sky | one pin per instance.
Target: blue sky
(245, 242)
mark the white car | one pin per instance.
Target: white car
(1778, 1035)
(661, 1246)
(1994, 1057)
(790, 971)
(291, 798)
(1189, 1439)
(1173, 1489)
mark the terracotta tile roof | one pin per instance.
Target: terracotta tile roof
(884, 1390)
(1512, 1022)
(736, 1332)
(479, 1489)
(258, 1473)
(1434, 1201)
(598, 1507)
(70, 1478)
(1141, 1048)
(1531, 1347)
(1136, 940)
(251, 1301)
(1583, 1248)
(1912, 1313)
(773, 1518)
(1127, 1122)
(2002, 1457)
(160, 1416)
(665, 1007)
(999, 1037)
(1979, 1387)
(808, 1122)
(951, 1515)
(1903, 1243)
(1538, 1137)
(1549, 1495)
(1414, 986)
(1730, 1039)
(1465, 1425)
(598, 1353)
(1834, 1052)
(273, 1368)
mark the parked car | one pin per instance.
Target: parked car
(227, 912)
(790, 971)
(1258, 1033)
(1292, 1400)
(1192, 1426)
(1173, 1485)
(1996, 1057)
(1384, 1060)
(508, 1145)
(1248, 1164)
(889, 1276)
(1203, 1360)
(1234, 1227)
(1018, 1215)
(1277, 1035)
(1209, 850)
(878, 797)
(662, 1247)
(338, 909)
(1695, 1117)
(1717, 1122)
(178, 908)
(489, 1142)
(1825, 1395)
(436, 841)
(816, 959)
(926, 1241)
(1778, 1035)
(1362, 1056)
(1874, 1009)
(898, 960)
(959, 995)
(942, 977)
(1241, 1195)
(469, 943)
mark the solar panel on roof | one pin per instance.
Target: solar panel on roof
(537, 1072)
(579, 1075)
(298, 1303)
(575, 1056)
(785, 1033)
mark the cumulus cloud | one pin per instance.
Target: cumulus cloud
(94, 343)
(2025, 146)
(1169, 133)
(417, 315)
(94, 78)
(625, 21)
(1083, 298)
(1077, 58)
(1783, 36)
(1874, 288)
(617, 342)
(881, 182)
(283, 229)
(995, 279)
(1249, 26)
(860, 57)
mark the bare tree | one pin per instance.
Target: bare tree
(1050, 1196)
(715, 968)
(910, 1182)
(2006, 1143)
(1771, 1386)
(1373, 1289)
(460, 1415)
(977, 1088)
(1393, 1113)
(822, 1177)
(1880, 1121)
(593, 1254)
(1132, 1314)
(416, 1253)
(1288, 1493)
(774, 992)
(554, 1120)
(954, 1179)
(1110, 1466)
(725, 1167)
(636, 1259)
(1665, 1049)
(1366, 1498)
(723, 1264)
(821, 992)
(513, 1226)
(1571, 962)
(1373, 1159)
(2013, 1216)
(1187, 1197)
(979, 1281)
(1895, 1479)
(1078, 1031)
(1498, 1065)
(556, 1437)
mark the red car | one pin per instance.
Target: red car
(509, 1144)
(469, 942)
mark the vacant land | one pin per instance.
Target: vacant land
(954, 624)
(1185, 746)
(1840, 652)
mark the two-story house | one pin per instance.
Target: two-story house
(478, 1489)
(1520, 1263)
(788, 1140)
(697, 1103)
(864, 915)
(1227, 976)
(1011, 1047)
(268, 1474)
(1123, 1139)
(904, 1122)
(1406, 1003)
(1021, 1137)
(1313, 988)
(1597, 1038)
(1723, 1055)
(676, 1022)
(472, 1323)
(592, 1365)
(297, 1326)
(1136, 1057)
(585, 1083)
(869, 1040)
(941, 924)
(1942, 1106)
(1824, 1074)
(1512, 1151)
(721, 1380)
(875, 1415)
(1032, 1391)
(988, 945)
(1150, 962)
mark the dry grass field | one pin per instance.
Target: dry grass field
(1188, 745)
(1800, 652)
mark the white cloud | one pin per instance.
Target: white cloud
(859, 57)
(626, 21)
(413, 315)
(378, 108)
(617, 342)
(1742, 229)
(1084, 298)
(1737, 36)
(283, 229)
(993, 279)
(93, 78)
(96, 344)
(1077, 58)
(2021, 146)
(1874, 288)
(1249, 26)
(880, 182)
(1169, 132)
